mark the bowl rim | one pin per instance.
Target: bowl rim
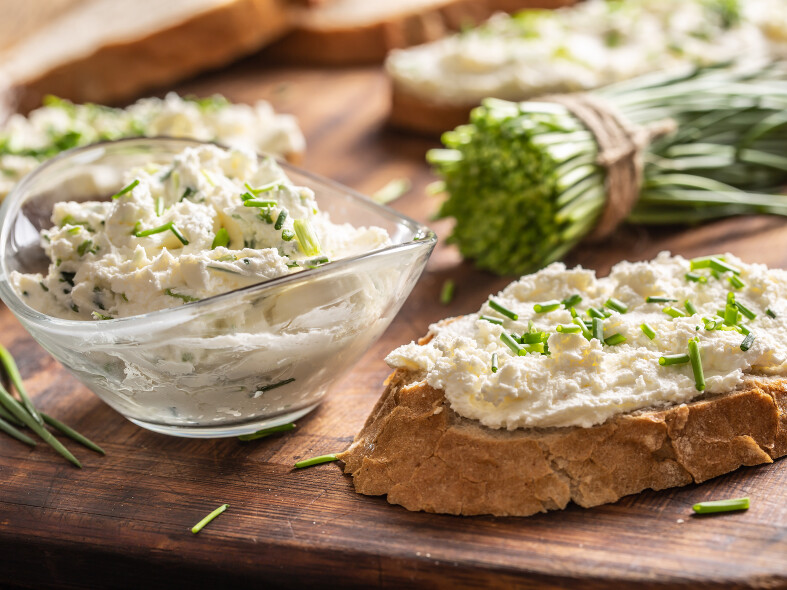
(424, 238)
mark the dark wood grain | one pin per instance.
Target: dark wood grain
(123, 520)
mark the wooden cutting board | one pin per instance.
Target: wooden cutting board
(124, 519)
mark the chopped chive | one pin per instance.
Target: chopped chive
(221, 240)
(287, 235)
(515, 347)
(169, 226)
(720, 266)
(710, 324)
(770, 313)
(659, 299)
(721, 506)
(100, 316)
(649, 332)
(85, 247)
(187, 193)
(538, 347)
(125, 189)
(730, 297)
(736, 282)
(73, 434)
(598, 329)
(447, 292)
(573, 312)
(701, 262)
(572, 301)
(314, 262)
(392, 191)
(743, 329)
(568, 329)
(673, 359)
(11, 431)
(6, 415)
(186, 298)
(502, 310)
(617, 305)
(74, 230)
(222, 269)
(690, 307)
(715, 273)
(316, 461)
(247, 197)
(265, 388)
(264, 188)
(615, 339)
(673, 312)
(267, 432)
(307, 239)
(46, 289)
(256, 203)
(18, 411)
(9, 365)
(159, 207)
(494, 362)
(491, 320)
(280, 219)
(585, 332)
(695, 278)
(696, 364)
(534, 337)
(731, 314)
(747, 342)
(547, 306)
(595, 313)
(745, 310)
(201, 524)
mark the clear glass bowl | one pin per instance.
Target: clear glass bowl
(205, 369)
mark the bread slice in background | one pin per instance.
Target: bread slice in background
(363, 31)
(424, 456)
(106, 51)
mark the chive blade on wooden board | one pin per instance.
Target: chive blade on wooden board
(715, 506)
(316, 461)
(267, 432)
(447, 292)
(201, 524)
(9, 365)
(73, 434)
(12, 431)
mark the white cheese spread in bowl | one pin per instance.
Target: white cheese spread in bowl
(207, 292)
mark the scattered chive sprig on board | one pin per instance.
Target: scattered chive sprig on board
(201, 524)
(265, 432)
(316, 461)
(721, 506)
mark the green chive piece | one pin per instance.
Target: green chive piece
(280, 219)
(316, 461)
(673, 312)
(743, 329)
(695, 278)
(649, 332)
(673, 359)
(73, 434)
(585, 332)
(720, 266)
(659, 299)
(534, 337)
(11, 431)
(221, 240)
(491, 320)
(745, 310)
(511, 342)
(159, 207)
(598, 329)
(572, 301)
(547, 306)
(100, 316)
(710, 324)
(287, 234)
(267, 432)
(19, 413)
(307, 239)
(696, 364)
(85, 247)
(502, 310)
(595, 313)
(701, 262)
(447, 292)
(690, 307)
(201, 524)
(770, 313)
(256, 203)
(494, 362)
(573, 312)
(264, 188)
(721, 506)
(189, 192)
(125, 189)
(747, 342)
(265, 388)
(170, 226)
(392, 190)
(5, 415)
(736, 282)
(186, 298)
(568, 329)
(615, 339)
(617, 305)
(9, 365)
(731, 314)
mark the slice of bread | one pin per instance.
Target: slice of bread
(362, 32)
(424, 456)
(105, 51)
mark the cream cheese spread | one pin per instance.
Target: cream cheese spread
(26, 141)
(214, 221)
(581, 381)
(586, 46)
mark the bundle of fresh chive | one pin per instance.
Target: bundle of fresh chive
(16, 414)
(524, 185)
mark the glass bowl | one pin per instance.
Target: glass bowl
(231, 364)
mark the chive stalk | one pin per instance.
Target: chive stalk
(695, 278)
(649, 332)
(9, 365)
(572, 301)
(547, 306)
(316, 461)
(696, 364)
(221, 239)
(265, 432)
(259, 204)
(182, 297)
(515, 347)
(673, 359)
(615, 339)
(598, 329)
(447, 292)
(281, 383)
(491, 320)
(595, 313)
(585, 331)
(73, 434)
(307, 239)
(690, 307)
(747, 342)
(770, 313)
(169, 226)
(568, 329)
(721, 506)
(617, 305)
(12, 431)
(201, 524)
(736, 282)
(673, 312)
(745, 310)
(494, 362)
(280, 220)
(502, 310)
(720, 266)
(731, 314)
(125, 189)
(659, 299)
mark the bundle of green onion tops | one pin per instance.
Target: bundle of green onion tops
(524, 184)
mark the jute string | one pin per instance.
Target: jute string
(621, 145)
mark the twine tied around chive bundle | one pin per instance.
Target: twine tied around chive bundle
(621, 145)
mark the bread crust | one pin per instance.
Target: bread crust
(414, 114)
(424, 456)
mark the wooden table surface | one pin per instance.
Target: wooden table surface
(124, 519)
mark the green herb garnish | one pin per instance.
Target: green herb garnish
(572, 301)
(221, 240)
(673, 312)
(696, 364)
(690, 307)
(597, 329)
(201, 524)
(100, 316)
(11, 431)
(503, 310)
(547, 306)
(731, 314)
(392, 191)
(447, 292)
(280, 219)
(72, 434)
(721, 506)
(594, 312)
(267, 432)
(265, 388)
(126, 189)
(494, 362)
(747, 342)
(615, 339)
(617, 305)
(264, 188)
(169, 226)
(258, 203)
(491, 320)
(307, 239)
(159, 206)
(85, 247)
(719, 265)
(745, 310)
(316, 461)
(673, 359)
(770, 313)
(568, 329)
(287, 235)
(649, 332)
(659, 299)
(695, 278)
(10, 368)
(583, 328)
(186, 298)
(736, 282)
(187, 193)
(511, 342)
